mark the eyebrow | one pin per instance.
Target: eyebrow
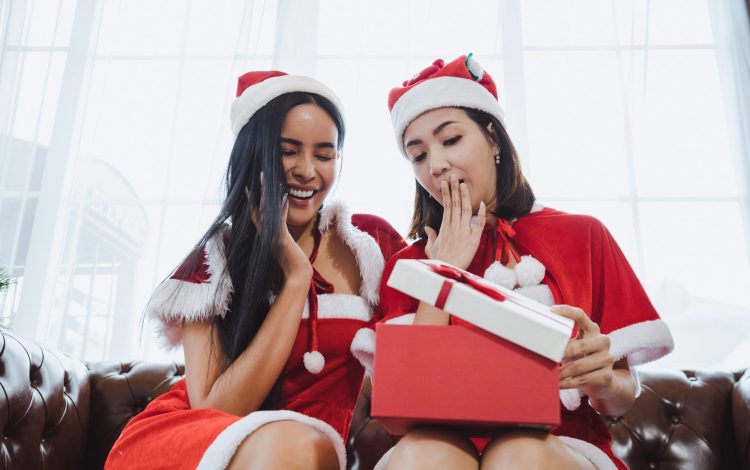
(287, 140)
(436, 131)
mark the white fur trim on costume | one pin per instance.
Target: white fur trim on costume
(441, 92)
(540, 293)
(384, 460)
(500, 275)
(571, 398)
(363, 348)
(406, 319)
(593, 454)
(341, 306)
(260, 94)
(222, 449)
(529, 271)
(175, 302)
(369, 257)
(314, 361)
(641, 342)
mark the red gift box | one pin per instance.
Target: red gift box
(459, 376)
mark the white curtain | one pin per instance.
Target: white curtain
(113, 120)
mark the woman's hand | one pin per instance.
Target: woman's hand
(293, 262)
(587, 364)
(457, 241)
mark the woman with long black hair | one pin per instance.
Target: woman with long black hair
(274, 305)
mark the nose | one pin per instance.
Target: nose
(304, 168)
(439, 164)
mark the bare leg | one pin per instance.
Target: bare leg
(430, 448)
(532, 450)
(285, 444)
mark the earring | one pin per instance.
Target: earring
(497, 158)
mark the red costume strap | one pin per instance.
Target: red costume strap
(317, 285)
(504, 250)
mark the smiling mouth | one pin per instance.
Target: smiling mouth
(302, 194)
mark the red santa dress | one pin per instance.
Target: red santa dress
(564, 259)
(318, 391)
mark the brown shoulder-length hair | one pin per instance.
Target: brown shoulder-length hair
(514, 194)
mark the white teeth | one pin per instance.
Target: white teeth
(301, 194)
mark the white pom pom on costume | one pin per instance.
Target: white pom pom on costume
(500, 275)
(529, 271)
(540, 293)
(314, 361)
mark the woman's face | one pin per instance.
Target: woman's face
(309, 153)
(444, 142)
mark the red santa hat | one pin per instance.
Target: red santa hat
(461, 83)
(257, 89)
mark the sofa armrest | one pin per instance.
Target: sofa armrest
(741, 412)
(682, 420)
(119, 391)
(44, 406)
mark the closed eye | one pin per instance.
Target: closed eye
(419, 158)
(452, 141)
(324, 158)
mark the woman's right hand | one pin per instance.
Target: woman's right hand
(293, 261)
(457, 241)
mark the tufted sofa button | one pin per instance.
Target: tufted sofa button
(693, 379)
(652, 465)
(675, 419)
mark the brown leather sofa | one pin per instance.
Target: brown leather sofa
(56, 412)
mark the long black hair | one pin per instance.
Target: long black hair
(252, 253)
(514, 196)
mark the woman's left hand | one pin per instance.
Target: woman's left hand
(587, 364)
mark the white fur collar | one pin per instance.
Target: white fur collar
(336, 215)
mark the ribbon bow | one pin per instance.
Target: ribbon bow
(504, 250)
(459, 275)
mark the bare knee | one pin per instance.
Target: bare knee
(433, 448)
(285, 444)
(533, 450)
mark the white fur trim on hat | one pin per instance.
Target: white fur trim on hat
(529, 271)
(175, 302)
(370, 260)
(222, 449)
(441, 92)
(500, 275)
(256, 96)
